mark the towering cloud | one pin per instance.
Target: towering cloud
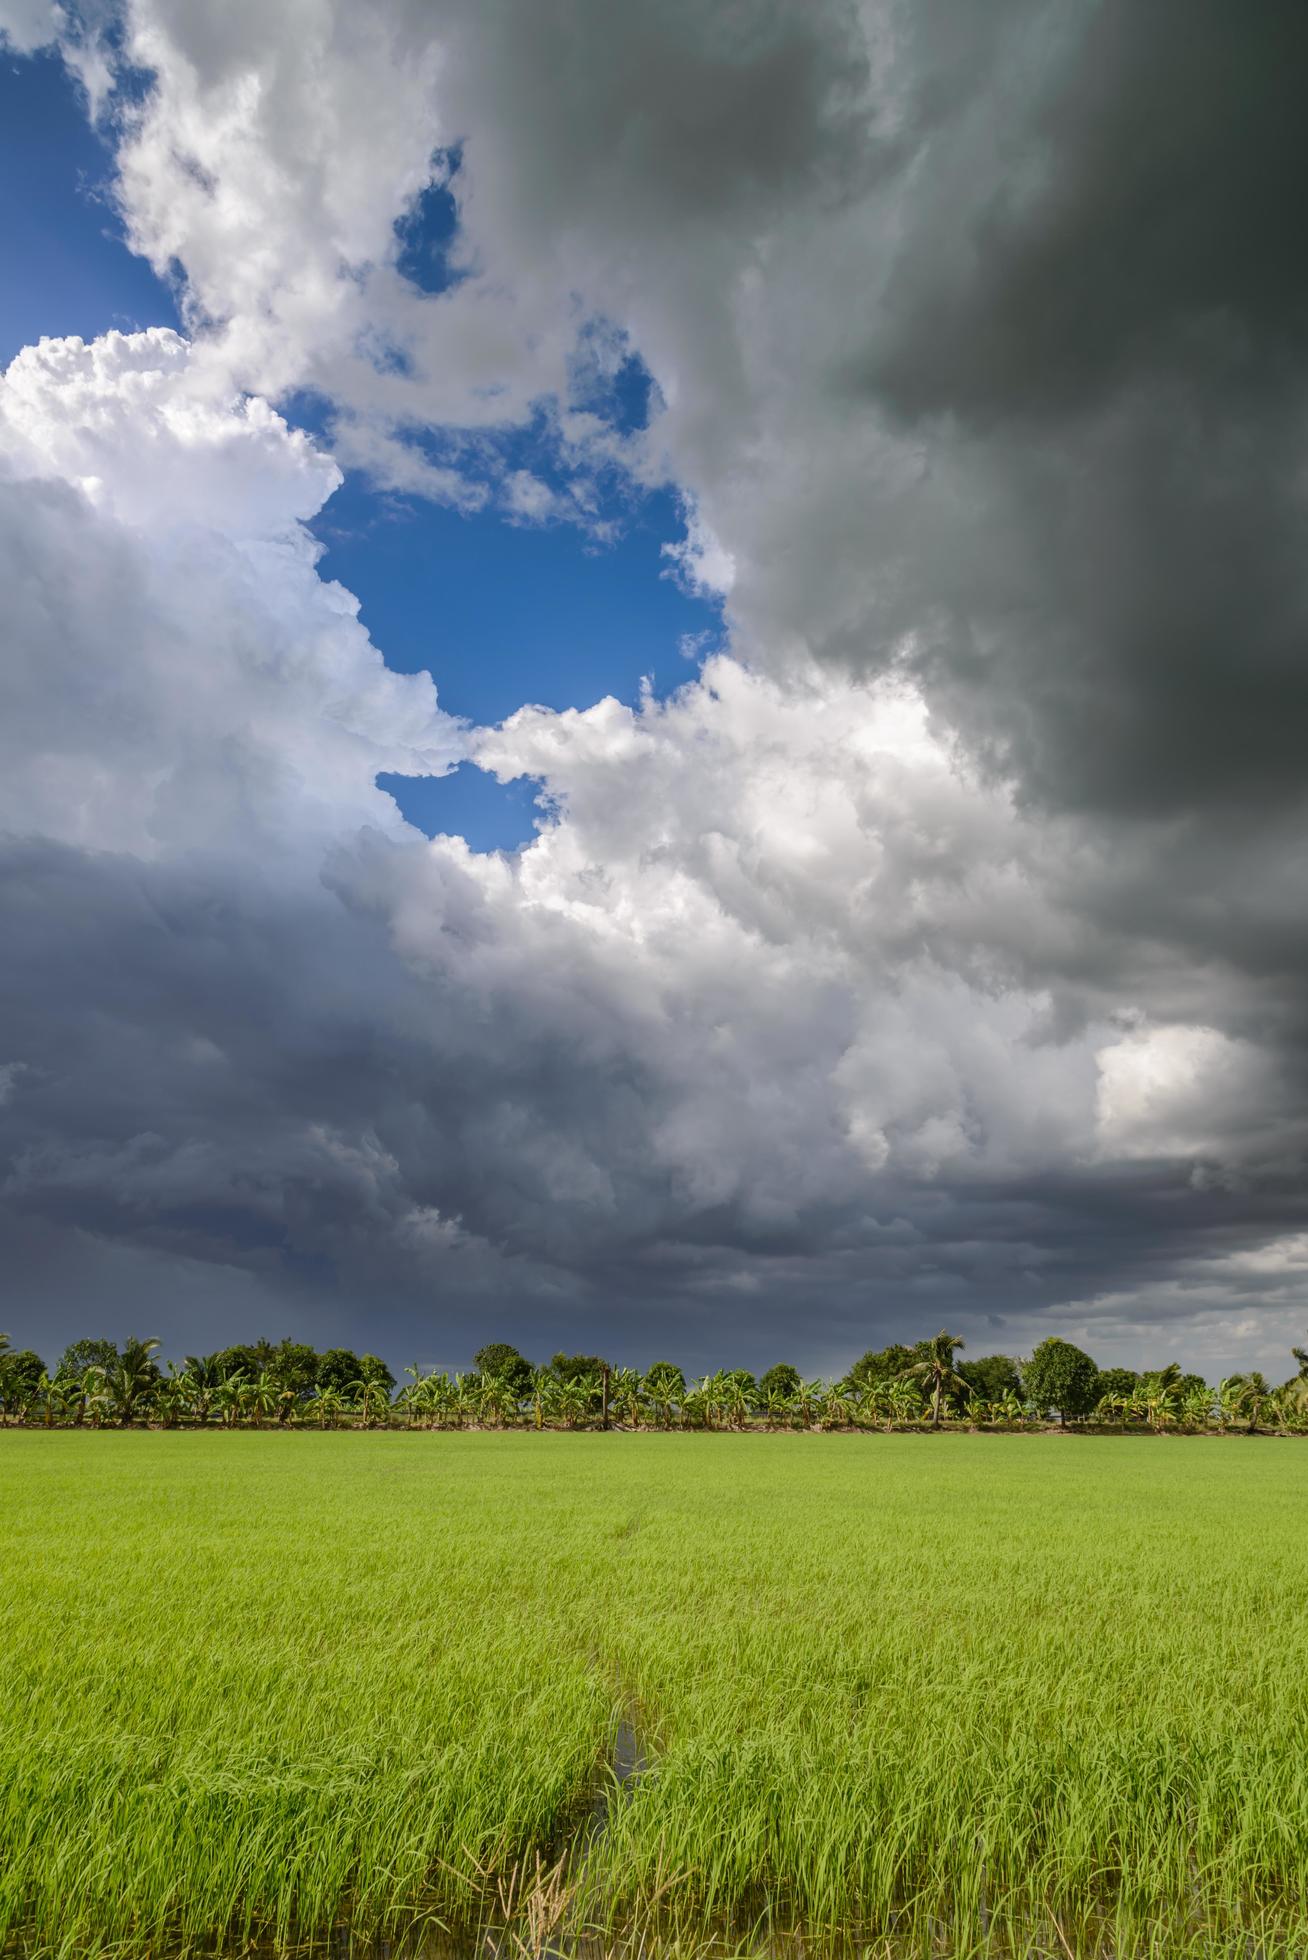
(939, 950)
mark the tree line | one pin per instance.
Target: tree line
(927, 1385)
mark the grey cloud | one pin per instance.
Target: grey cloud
(979, 340)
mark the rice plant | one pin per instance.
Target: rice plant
(899, 1694)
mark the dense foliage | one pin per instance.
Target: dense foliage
(290, 1384)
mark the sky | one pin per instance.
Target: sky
(653, 677)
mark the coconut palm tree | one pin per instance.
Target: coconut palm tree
(936, 1370)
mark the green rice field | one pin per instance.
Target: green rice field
(877, 1694)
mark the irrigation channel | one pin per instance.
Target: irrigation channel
(545, 1910)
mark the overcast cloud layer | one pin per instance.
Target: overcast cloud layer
(938, 954)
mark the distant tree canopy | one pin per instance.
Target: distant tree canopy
(882, 1365)
(373, 1369)
(503, 1363)
(1062, 1377)
(21, 1374)
(338, 1369)
(291, 1382)
(250, 1359)
(664, 1382)
(780, 1379)
(991, 1376)
(294, 1366)
(78, 1356)
(578, 1367)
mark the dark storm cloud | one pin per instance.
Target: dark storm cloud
(978, 335)
(1106, 337)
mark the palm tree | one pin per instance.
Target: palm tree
(936, 1369)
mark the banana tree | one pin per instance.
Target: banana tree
(173, 1396)
(1253, 1398)
(627, 1397)
(808, 1397)
(133, 1378)
(1010, 1409)
(1228, 1399)
(1196, 1410)
(905, 1400)
(228, 1400)
(835, 1407)
(778, 1407)
(49, 1398)
(263, 1397)
(573, 1401)
(665, 1385)
(413, 1399)
(326, 1405)
(735, 1395)
(496, 1401)
(1113, 1407)
(371, 1399)
(542, 1392)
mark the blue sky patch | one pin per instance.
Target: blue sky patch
(67, 268)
